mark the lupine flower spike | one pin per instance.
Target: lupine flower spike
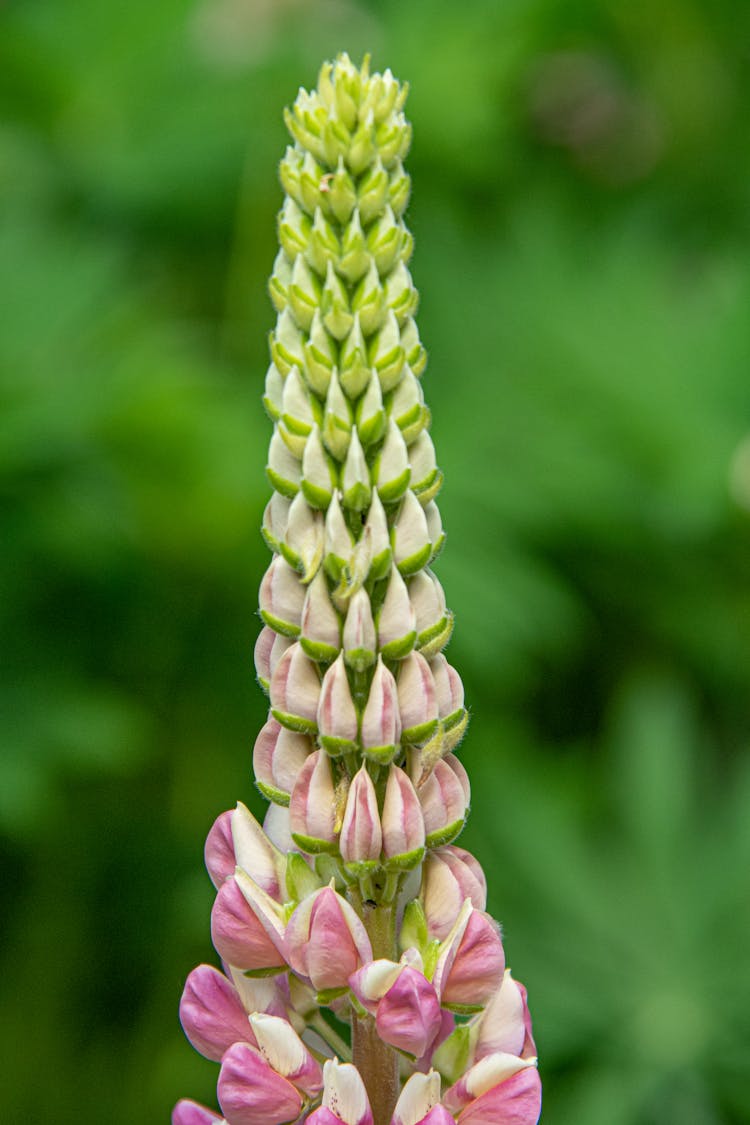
(363, 982)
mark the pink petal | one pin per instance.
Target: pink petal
(212, 1014)
(188, 1112)
(219, 850)
(252, 1093)
(408, 1016)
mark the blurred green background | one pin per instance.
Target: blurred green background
(581, 207)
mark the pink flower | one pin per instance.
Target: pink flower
(246, 934)
(219, 850)
(505, 1024)
(403, 825)
(256, 1087)
(212, 1014)
(345, 1099)
(501, 1089)
(471, 963)
(419, 1102)
(325, 941)
(188, 1112)
(404, 1003)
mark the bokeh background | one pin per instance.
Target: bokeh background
(581, 206)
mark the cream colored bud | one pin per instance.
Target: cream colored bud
(286, 343)
(273, 397)
(275, 520)
(355, 479)
(319, 356)
(283, 469)
(279, 281)
(320, 628)
(396, 625)
(337, 420)
(304, 540)
(360, 643)
(370, 413)
(391, 471)
(318, 474)
(354, 369)
(386, 354)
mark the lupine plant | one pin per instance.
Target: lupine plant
(363, 982)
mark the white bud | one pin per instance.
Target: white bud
(376, 529)
(359, 632)
(337, 420)
(355, 479)
(354, 370)
(370, 414)
(391, 471)
(339, 543)
(304, 539)
(386, 353)
(320, 356)
(283, 469)
(275, 520)
(286, 343)
(396, 625)
(410, 536)
(334, 305)
(272, 399)
(320, 629)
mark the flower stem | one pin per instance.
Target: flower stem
(376, 1062)
(331, 1037)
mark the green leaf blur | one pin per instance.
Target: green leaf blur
(581, 190)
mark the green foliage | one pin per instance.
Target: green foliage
(583, 170)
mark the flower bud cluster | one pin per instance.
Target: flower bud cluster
(365, 712)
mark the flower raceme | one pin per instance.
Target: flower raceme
(363, 982)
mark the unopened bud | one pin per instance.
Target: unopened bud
(269, 649)
(416, 699)
(319, 356)
(391, 471)
(376, 530)
(356, 488)
(396, 624)
(370, 413)
(471, 962)
(275, 520)
(362, 148)
(312, 808)
(326, 942)
(400, 295)
(280, 280)
(450, 876)
(368, 301)
(320, 629)
(294, 229)
(381, 723)
(426, 478)
(274, 394)
(337, 420)
(323, 248)
(386, 354)
(403, 826)
(337, 715)
(354, 369)
(238, 934)
(295, 689)
(283, 469)
(434, 528)
(434, 623)
(415, 354)
(384, 240)
(410, 536)
(450, 696)
(278, 757)
(361, 839)
(339, 543)
(372, 192)
(340, 194)
(360, 644)
(407, 406)
(318, 474)
(334, 305)
(281, 598)
(310, 176)
(444, 796)
(355, 258)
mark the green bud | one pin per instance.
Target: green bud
(415, 354)
(318, 473)
(339, 193)
(336, 140)
(294, 229)
(413, 933)
(412, 547)
(372, 192)
(426, 478)
(289, 173)
(310, 177)
(453, 1055)
(362, 148)
(384, 241)
(377, 535)
(278, 284)
(320, 356)
(354, 370)
(275, 520)
(305, 122)
(337, 420)
(334, 305)
(370, 414)
(283, 469)
(434, 528)
(384, 95)
(387, 354)
(393, 138)
(399, 189)
(298, 414)
(400, 294)
(303, 293)
(407, 406)
(301, 880)
(391, 471)
(355, 479)
(286, 344)
(339, 543)
(273, 397)
(323, 246)
(368, 301)
(355, 258)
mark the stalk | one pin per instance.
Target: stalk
(376, 1062)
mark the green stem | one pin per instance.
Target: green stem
(376, 1062)
(331, 1037)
